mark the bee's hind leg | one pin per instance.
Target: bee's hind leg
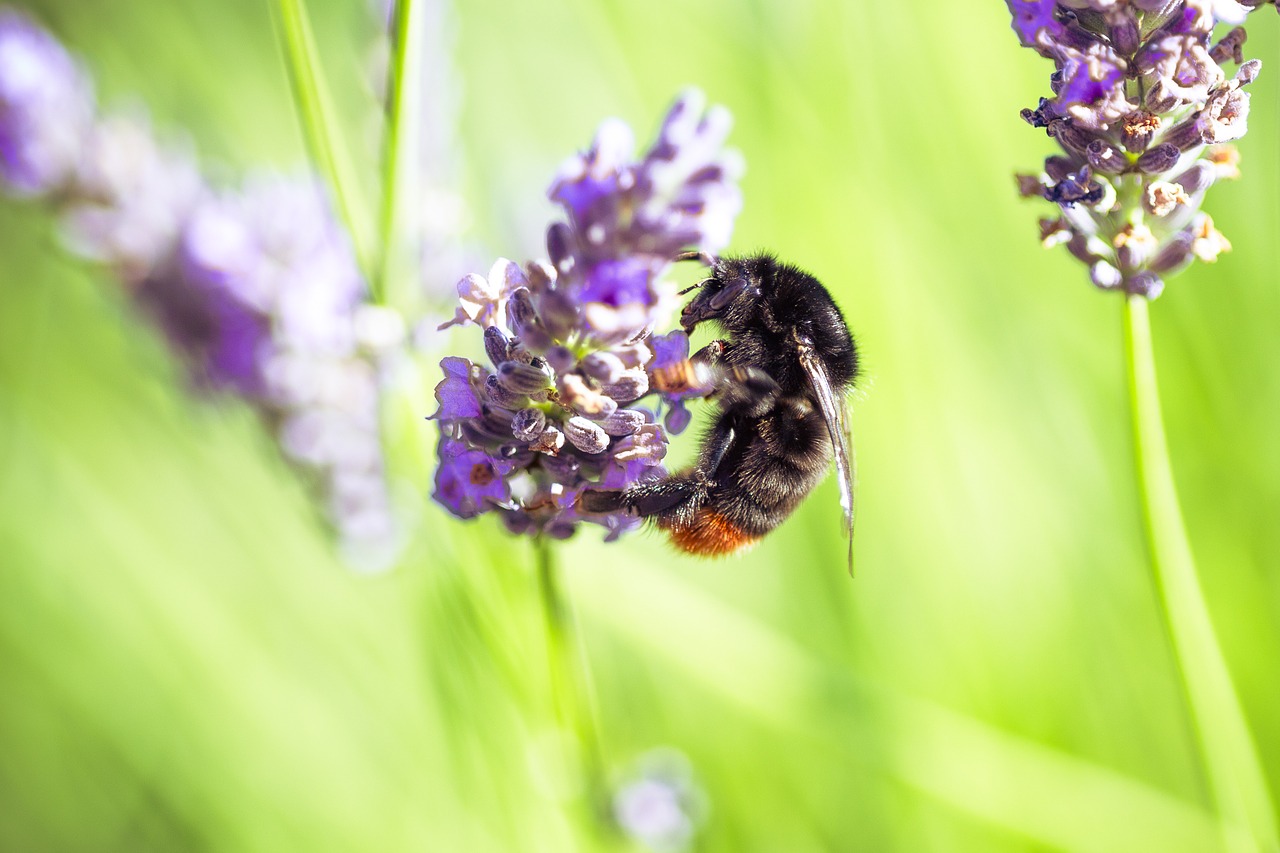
(675, 497)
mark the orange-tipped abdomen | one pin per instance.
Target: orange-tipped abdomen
(710, 535)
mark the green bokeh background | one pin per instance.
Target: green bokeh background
(184, 664)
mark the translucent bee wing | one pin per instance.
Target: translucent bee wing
(833, 413)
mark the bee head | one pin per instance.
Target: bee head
(717, 296)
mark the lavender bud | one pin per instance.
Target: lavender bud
(631, 385)
(1105, 276)
(1144, 283)
(1105, 157)
(1186, 134)
(586, 435)
(1248, 72)
(623, 422)
(1230, 47)
(1081, 248)
(541, 276)
(528, 424)
(561, 359)
(503, 396)
(1139, 129)
(560, 530)
(576, 394)
(560, 247)
(496, 345)
(1174, 255)
(1160, 159)
(1162, 98)
(559, 313)
(489, 431)
(1197, 178)
(648, 444)
(1125, 36)
(521, 378)
(525, 322)
(550, 442)
(633, 354)
(565, 468)
(518, 523)
(603, 366)
(1059, 168)
(1070, 135)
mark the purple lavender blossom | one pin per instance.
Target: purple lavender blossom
(46, 108)
(1142, 109)
(256, 287)
(570, 342)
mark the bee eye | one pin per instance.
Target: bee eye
(728, 294)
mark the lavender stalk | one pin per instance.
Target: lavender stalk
(570, 346)
(1142, 109)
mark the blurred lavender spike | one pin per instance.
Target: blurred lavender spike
(570, 340)
(257, 286)
(46, 108)
(1142, 108)
(660, 804)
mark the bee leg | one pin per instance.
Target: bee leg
(644, 500)
(714, 446)
(746, 390)
(711, 353)
(677, 496)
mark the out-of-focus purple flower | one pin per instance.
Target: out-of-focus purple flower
(257, 286)
(130, 197)
(569, 341)
(1140, 105)
(46, 108)
(660, 805)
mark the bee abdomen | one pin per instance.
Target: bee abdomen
(709, 534)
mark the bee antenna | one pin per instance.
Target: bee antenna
(694, 287)
(696, 255)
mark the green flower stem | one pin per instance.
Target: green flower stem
(315, 107)
(1231, 761)
(572, 691)
(399, 172)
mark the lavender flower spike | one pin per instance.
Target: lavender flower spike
(256, 287)
(46, 108)
(1142, 108)
(569, 341)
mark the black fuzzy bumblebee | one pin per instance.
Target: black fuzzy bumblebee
(779, 380)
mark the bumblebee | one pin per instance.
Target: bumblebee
(778, 380)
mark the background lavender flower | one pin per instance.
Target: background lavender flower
(257, 287)
(46, 107)
(660, 805)
(1142, 108)
(569, 342)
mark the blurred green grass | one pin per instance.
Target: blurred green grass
(187, 666)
